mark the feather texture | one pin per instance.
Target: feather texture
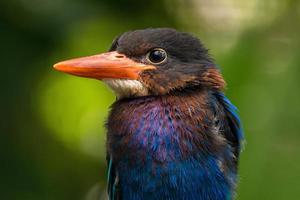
(173, 147)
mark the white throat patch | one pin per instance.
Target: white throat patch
(126, 87)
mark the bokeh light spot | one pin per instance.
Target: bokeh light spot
(75, 109)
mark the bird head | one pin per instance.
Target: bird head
(150, 62)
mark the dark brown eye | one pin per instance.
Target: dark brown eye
(157, 56)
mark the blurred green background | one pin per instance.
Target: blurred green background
(52, 143)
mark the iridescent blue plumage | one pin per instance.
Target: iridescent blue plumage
(233, 118)
(172, 147)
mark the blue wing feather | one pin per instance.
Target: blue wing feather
(111, 176)
(233, 119)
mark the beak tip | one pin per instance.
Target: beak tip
(58, 66)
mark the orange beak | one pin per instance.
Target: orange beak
(105, 65)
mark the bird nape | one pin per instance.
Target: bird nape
(172, 133)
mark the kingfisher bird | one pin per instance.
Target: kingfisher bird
(171, 133)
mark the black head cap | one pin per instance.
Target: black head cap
(184, 61)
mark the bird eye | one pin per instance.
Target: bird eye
(157, 56)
